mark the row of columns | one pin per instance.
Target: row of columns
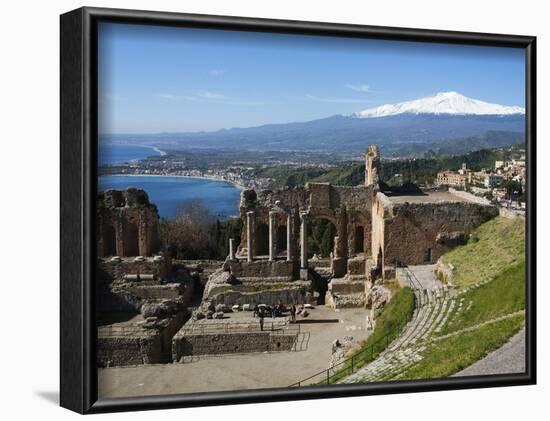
(250, 216)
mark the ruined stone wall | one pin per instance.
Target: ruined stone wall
(117, 270)
(418, 233)
(286, 295)
(372, 165)
(381, 208)
(128, 350)
(356, 266)
(261, 269)
(230, 343)
(119, 290)
(127, 224)
(346, 207)
(135, 345)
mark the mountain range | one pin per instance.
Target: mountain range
(444, 123)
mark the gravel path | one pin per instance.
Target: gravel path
(509, 358)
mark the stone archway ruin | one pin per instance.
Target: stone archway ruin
(109, 240)
(127, 224)
(359, 240)
(262, 240)
(131, 239)
(373, 229)
(281, 241)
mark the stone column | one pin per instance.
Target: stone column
(119, 236)
(289, 236)
(272, 235)
(231, 249)
(250, 235)
(303, 245)
(336, 246)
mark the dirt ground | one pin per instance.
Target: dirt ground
(245, 371)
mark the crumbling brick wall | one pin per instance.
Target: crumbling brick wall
(127, 223)
(417, 233)
(230, 343)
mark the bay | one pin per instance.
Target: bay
(169, 192)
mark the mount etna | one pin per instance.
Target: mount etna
(445, 123)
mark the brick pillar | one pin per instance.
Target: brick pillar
(250, 235)
(336, 246)
(119, 235)
(272, 236)
(289, 236)
(303, 246)
(231, 249)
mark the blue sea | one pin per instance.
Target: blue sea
(168, 193)
(112, 153)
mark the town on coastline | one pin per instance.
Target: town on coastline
(501, 181)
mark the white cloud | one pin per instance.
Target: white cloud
(210, 95)
(359, 88)
(167, 96)
(251, 103)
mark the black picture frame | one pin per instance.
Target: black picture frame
(78, 385)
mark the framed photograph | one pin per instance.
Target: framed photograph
(256, 210)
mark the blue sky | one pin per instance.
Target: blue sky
(161, 79)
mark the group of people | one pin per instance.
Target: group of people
(275, 311)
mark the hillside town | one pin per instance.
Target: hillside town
(503, 184)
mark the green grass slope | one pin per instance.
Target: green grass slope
(497, 257)
(493, 246)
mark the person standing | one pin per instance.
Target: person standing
(262, 321)
(293, 313)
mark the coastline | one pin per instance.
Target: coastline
(159, 151)
(237, 185)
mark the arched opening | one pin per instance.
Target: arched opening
(109, 241)
(262, 240)
(428, 255)
(379, 262)
(359, 239)
(320, 237)
(320, 243)
(281, 239)
(131, 239)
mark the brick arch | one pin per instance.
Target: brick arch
(280, 242)
(333, 228)
(261, 239)
(131, 238)
(109, 240)
(327, 214)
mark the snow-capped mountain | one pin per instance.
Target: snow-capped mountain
(446, 123)
(441, 103)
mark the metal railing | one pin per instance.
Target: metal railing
(352, 364)
(412, 279)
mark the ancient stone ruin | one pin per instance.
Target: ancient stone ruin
(127, 224)
(143, 297)
(376, 232)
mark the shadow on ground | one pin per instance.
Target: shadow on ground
(51, 396)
